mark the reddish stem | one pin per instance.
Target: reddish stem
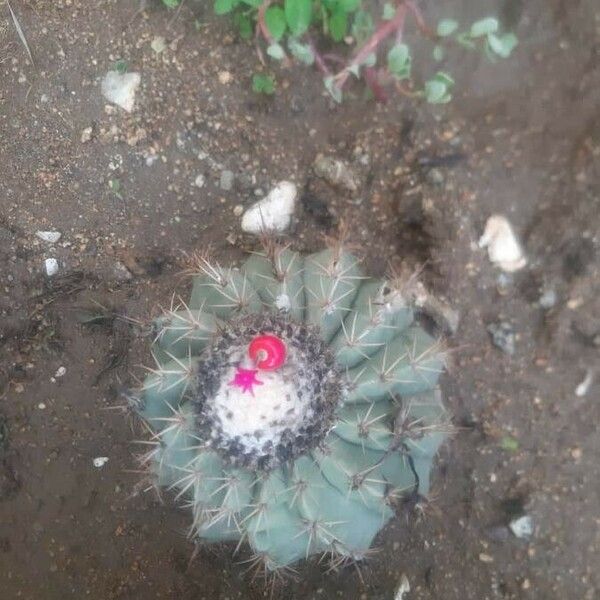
(420, 20)
(261, 24)
(381, 33)
(372, 79)
(319, 60)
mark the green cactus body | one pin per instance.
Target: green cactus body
(294, 403)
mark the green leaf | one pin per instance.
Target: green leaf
(447, 27)
(333, 89)
(298, 14)
(252, 3)
(222, 7)
(263, 84)
(303, 52)
(121, 66)
(171, 3)
(275, 20)
(243, 24)
(276, 51)
(338, 24)
(437, 89)
(502, 45)
(465, 41)
(445, 78)
(362, 26)
(115, 187)
(349, 6)
(483, 27)
(438, 53)
(398, 61)
(389, 11)
(509, 443)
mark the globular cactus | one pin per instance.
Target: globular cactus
(294, 402)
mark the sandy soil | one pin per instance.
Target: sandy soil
(522, 138)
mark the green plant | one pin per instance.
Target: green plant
(293, 404)
(263, 84)
(380, 54)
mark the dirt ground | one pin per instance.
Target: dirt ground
(522, 138)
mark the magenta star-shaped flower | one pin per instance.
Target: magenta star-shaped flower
(246, 378)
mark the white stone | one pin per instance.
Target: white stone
(51, 266)
(158, 44)
(522, 527)
(403, 588)
(100, 461)
(502, 244)
(274, 212)
(49, 236)
(120, 88)
(584, 387)
(60, 372)
(200, 181)
(86, 135)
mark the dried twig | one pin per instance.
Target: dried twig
(20, 32)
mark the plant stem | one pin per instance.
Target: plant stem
(261, 24)
(381, 33)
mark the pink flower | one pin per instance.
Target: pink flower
(246, 379)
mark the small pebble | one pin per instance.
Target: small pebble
(548, 299)
(522, 527)
(226, 181)
(274, 212)
(120, 88)
(158, 44)
(582, 389)
(502, 244)
(486, 558)
(200, 181)
(225, 77)
(60, 372)
(86, 135)
(238, 210)
(503, 336)
(51, 266)
(100, 461)
(49, 236)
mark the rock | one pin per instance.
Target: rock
(100, 461)
(60, 372)
(120, 88)
(120, 273)
(503, 336)
(586, 383)
(503, 246)
(86, 135)
(51, 266)
(238, 209)
(435, 177)
(336, 172)
(200, 181)
(403, 588)
(158, 44)
(548, 299)
(522, 527)
(274, 212)
(226, 181)
(225, 77)
(49, 236)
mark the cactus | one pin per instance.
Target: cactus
(293, 404)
